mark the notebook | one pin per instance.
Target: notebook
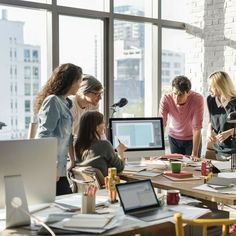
(139, 200)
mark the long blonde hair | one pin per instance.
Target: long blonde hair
(222, 82)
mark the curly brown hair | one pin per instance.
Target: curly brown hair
(59, 83)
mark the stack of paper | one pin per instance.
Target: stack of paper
(92, 223)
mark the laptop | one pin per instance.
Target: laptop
(138, 199)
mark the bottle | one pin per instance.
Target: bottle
(204, 168)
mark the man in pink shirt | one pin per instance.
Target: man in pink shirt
(185, 109)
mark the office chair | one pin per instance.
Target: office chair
(89, 174)
(204, 223)
(32, 130)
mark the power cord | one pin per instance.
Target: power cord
(17, 204)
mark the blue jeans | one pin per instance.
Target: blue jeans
(182, 146)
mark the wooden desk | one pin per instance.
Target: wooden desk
(129, 227)
(186, 188)
(161, 229)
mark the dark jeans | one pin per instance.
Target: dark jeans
(182, 146)
(63, 186)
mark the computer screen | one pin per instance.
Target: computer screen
(35, 161)
(143, 136)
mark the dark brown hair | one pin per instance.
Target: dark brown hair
(87, 134)
(181, 83)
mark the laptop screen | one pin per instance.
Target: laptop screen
(137, 195)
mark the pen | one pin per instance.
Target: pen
(118, 140)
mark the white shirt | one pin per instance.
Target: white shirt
(77, 112)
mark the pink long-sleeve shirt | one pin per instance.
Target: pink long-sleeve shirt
(183, 118)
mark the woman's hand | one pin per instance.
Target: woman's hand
(224, 135)
(121, 149)
(212, 139)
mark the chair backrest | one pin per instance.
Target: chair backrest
(204, 223)
(32, 130)
(89, 174)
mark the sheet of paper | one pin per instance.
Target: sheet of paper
(148, 173)
(205, 187)
(230, 175)
(115, 222)
(75, 200)
(84, 221)
(222, 165)
(133, 168)
(190, 212)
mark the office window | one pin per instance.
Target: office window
(175, 10)
(97, 5)
(132, 72)
(84, 49)
(40, 1)
(27, 29)
(175, 47)
(135, 8)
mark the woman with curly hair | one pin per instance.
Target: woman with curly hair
(220, 102)
(55, 118)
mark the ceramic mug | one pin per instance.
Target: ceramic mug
(176, 166)
(173, 197)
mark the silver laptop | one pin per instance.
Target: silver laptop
(139, 200)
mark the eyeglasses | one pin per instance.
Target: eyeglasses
(98, 94)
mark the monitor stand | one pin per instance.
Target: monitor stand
(17, 212)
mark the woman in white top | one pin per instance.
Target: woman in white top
(87, 98)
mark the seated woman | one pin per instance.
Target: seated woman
(91, 150)
(221, 102)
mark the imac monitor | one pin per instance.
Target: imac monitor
(144, 136)
(34, 160)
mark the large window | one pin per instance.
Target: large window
(174, 50)
(132, 72)
(25, 37)
(123, 43)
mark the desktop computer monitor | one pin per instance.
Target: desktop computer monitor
(34, 162)
(144, 136)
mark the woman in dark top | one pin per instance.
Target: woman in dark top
(91, 150)
(220, 102)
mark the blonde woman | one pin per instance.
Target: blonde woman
(220, 102)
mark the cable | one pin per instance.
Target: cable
(17, 203)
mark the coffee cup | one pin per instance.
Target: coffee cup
(173, 197)
(176, 166)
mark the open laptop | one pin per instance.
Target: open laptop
(139, 200)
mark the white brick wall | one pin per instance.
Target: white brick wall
(212, 34)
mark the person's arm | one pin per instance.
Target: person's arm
(163, 110)
(196, 142)
(48, 116)
(71, 154)
(224, 135)
(197, 125)
(211, 135)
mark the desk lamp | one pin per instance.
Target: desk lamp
(231, 118)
